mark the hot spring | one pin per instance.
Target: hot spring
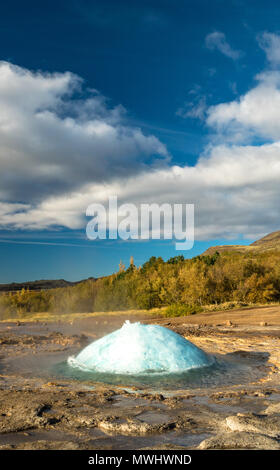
(153, 356)
(143, 356)
(140, 349)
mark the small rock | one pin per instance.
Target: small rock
(273, 408)
(250, 422)
(239, 440)
(159, 397)
(50, 384)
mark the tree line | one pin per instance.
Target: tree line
(177, 283)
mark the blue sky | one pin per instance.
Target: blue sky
(182, 100)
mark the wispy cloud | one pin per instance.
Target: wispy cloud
(195, 106)
(193, 109)
(270, 43)
(217, 40)
(24, 242)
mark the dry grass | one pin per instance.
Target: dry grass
(156, 312)
(235, 305)
(70, 317)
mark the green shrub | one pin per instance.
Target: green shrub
(181, 310)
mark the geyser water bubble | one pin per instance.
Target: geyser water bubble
(140, 349)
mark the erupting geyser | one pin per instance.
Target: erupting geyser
(140, 349)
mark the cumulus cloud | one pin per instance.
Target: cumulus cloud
(257, 113)
(217, 40)
(234, 185)
(53, 139)
(235, 190)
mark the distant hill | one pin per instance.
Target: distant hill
(37, 285)
(269, 242)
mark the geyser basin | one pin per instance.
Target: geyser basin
(141, 349)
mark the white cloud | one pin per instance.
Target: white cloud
(217, 40)
(270, 43)
(53, 140)
(62, 154)
(255, 114)
(235, 191)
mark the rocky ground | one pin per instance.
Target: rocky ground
(42, 411)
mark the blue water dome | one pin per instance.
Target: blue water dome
(139, 349)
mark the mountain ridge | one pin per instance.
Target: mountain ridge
(271, 241)
(42, 284)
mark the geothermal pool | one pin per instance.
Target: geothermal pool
(153, 356)
(156, 407)
(135, 355)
